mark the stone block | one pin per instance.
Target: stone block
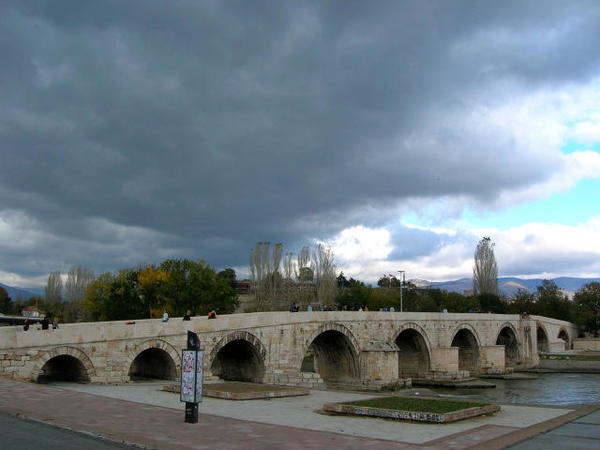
(444, 359)
(493, 358)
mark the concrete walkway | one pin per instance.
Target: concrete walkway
(581, 433)
(279, 423)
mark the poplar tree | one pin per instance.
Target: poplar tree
(485, 269)
(325, 280)
(78, 279)
(53, 289)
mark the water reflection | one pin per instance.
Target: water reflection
(558, 389)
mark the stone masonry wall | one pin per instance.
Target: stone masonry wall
(107, 349)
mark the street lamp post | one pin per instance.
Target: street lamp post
(401, 284)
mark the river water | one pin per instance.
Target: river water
(555, 389)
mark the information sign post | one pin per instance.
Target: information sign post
(192, 362)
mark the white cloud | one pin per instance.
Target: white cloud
(530, 250)
(527, 134)
(361, 244)
(550, 249)
(587, 130)
(16, 280)
(573, 168)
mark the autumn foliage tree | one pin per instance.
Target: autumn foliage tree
(150, 289)
(175, 285)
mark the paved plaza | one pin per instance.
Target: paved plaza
(142, 414)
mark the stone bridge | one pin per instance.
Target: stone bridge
(315, 349)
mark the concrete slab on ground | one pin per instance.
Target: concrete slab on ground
(574, 429)
(510, 376)
(593, 418)
(238, 390)
(582, 433)
(458, 384)
(300, 412)
(142, 422)
(547, 442)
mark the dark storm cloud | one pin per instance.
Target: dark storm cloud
(410, 243)
(137, 130)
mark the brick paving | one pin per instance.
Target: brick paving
(164, 428)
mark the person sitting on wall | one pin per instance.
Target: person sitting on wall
(188, 315)
(165, 317)
(26, 324)
(212, 314)
(45, 323)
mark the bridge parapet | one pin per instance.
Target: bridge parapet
(370, 347)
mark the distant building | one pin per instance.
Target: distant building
(32, 311)
(243, 287)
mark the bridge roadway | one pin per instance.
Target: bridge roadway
(367, 350)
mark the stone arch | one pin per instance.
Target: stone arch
(543, 343)
(564, 336)
(335, 327)
(414, 350)
(469, 327)
(508, 337)
(239, 356)
(335, 353)
(154, 358)
(64, 363)
(468, 343)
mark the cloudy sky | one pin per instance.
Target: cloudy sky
(397, 132)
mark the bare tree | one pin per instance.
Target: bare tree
(303, 257)
(78, 279)
(275, 278)
(485, 269)
(288, 282)
(324, 268)
(53, 289)
(258, 270)
(266, 276)
(289, 268)
(301, 279)
(305, 272)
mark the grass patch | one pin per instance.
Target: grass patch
(416, 404)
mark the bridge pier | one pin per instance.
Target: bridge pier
(444, 359)
(379, 367)
(493, 359)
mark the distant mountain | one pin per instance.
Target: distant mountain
(420, 283)
(510, 285)
(26, 293)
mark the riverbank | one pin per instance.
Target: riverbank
(547, 389)
(579, 362)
